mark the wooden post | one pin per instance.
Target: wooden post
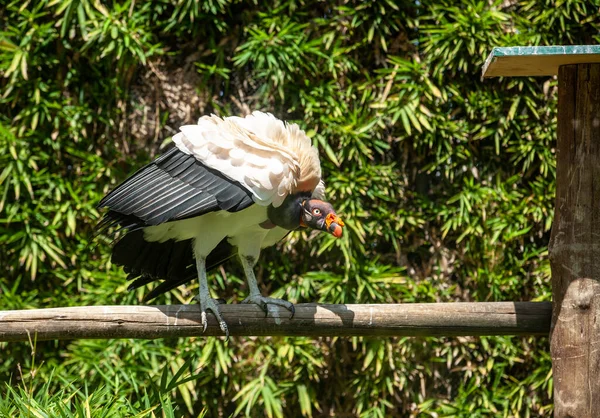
(575, 240)
(575, 245)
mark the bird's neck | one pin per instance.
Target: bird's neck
(289, 213)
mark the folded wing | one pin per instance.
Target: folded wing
(173, 187)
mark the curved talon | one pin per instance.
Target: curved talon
(264, 307)
(204, 321)
(293, 311)
(224, 329)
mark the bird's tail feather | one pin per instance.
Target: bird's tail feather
(171, 262)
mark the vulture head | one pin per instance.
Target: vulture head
(318, 214)
(302, 210)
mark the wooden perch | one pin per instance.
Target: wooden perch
(164, 321)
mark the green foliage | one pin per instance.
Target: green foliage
(446, 183)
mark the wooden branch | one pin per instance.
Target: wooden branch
(415, 319)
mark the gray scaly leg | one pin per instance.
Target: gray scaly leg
(255, 296)
(207, 303)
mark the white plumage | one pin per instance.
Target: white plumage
(268, 157)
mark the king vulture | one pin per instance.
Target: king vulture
(230, 185)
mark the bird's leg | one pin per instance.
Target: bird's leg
(207, 303)
(255, 296)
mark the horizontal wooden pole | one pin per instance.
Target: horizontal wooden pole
(386, 320)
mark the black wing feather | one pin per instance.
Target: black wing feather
(175, 186)
(171, 262)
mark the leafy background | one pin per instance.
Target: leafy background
(446, 182)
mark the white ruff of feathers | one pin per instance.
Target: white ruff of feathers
(271, 159)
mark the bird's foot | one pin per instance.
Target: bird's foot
(263, 302)
(207, 303)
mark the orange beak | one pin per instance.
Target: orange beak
(334, 225)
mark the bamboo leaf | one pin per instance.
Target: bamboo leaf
(14, 63)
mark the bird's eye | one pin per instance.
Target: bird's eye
(316, 212)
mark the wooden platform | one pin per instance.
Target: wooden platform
(524, 61)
